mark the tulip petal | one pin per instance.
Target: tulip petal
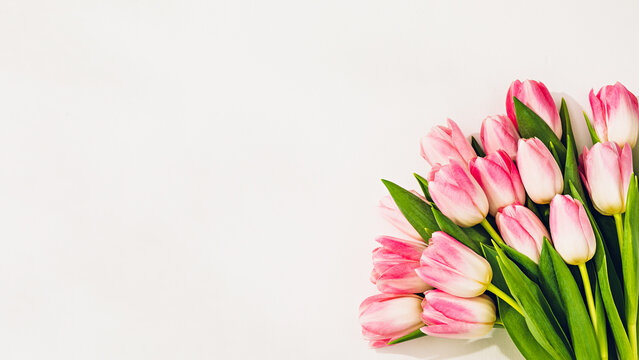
(458, 330)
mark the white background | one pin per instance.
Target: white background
(198, 179)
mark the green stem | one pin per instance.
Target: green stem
(589, 299)
(619, 225)
(492, 232)
(632, 334)
(502, 295)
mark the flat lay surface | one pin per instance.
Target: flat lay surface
(199, 180)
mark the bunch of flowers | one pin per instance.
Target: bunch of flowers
(521, 232)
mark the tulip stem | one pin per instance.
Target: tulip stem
(619, 224)
(502, 295)
(632, 334)
(491, 231)
(588, 290)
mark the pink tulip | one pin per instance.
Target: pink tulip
(498, 177)
(457, 194)
(536, 96)
(499, 133)
(394, 265)
(448, 265)
(387, 317)
(454, 317)
(615, 114)
(606, 170)
(539, 171)
(445, 143)
(572, 233)
(389, 211)
(522, 230)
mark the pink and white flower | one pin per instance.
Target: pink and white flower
(391, 213)
(394, 264)
(571, 230)
(615, 114)
(448, 265)
(387, 317)
(536, 96)
(606, 170)
(498, 177)
(449, 316)
(499, 133)
(522, 230)
(443, 144)
(539, 171)
(457, 194)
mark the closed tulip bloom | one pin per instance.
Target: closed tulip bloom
(571, 231)
(387, 317)
(498, 177)
(522, 230)
(449, 316)
(606, 170)
(615, 114)
(457, 194)
(499, 133)
(539, 171)
(394, 264)
(448, 265)
(536, 96)
(391, 213)
(445, 143)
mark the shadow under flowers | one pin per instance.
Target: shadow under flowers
(433, 348)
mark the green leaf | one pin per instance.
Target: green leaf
(568, 138)
(477, 147)
(629, 252)
(529, 267)
(553, 151)
(417, 212)
(539, 317)
(601, 266)
(498, 279)
(414, 335)
(517, 329)
(593, 133)
(583, 336)
(423, 183)
(478, 234)
(531, 125)
(452, 229)
(571, 169)
(549, 286)
(514, 323)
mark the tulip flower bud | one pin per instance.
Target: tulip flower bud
(615, 114)
(448, 265)
(498, 177)
(606, 170)
(445, 143)
(539, 171)
(499, 133)
(387, 317)
(536, 96)
(394, 265)
(389, 211)
(455, 317)
(457, 194)
(522, 230)
(571, 230)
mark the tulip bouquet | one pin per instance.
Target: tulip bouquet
(521, 232)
